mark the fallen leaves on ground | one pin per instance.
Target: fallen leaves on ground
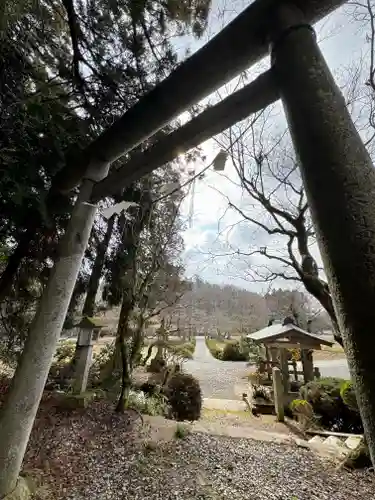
(100, 455)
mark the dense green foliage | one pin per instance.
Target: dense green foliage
(153, 404)
(64, 351)
(235, 352)
(67, 71)
(214, 348)
(329, 408)
(184, 397)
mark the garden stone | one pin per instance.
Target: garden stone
(316, 441)
(336, 445)
(21, 491)
(75, 401)
(353, 442)
(278, 391)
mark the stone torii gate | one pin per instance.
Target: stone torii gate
(336, 169)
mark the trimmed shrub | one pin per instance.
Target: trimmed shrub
(214, 349)
(184, 397)
(217, 353)
(328, 406)
(181, 352)
(235, 352)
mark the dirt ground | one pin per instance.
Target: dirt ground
(97, 454)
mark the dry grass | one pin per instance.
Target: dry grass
(327, 353)
(243, 419)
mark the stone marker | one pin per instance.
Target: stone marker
(83, 363)
(278, 393)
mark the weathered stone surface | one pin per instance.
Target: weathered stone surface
(353, 442)
(331, 447)
(339, 181)
(74, 401)
(21, 491)
(336, 446)
(316, 440)
(278, 391)
(334, 441)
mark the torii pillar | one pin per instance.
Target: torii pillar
(339, 179)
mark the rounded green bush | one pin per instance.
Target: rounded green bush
(184, 397)
(234, 352)
(217, 353)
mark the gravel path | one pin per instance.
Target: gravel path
(218, 379)
(206, 467)
(223, 379)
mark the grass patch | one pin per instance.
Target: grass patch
(215, 347)
(335, 348)
(326, 353)
(181, 432)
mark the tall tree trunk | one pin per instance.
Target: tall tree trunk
(318, 289)
(19, 410)
(339, 179)
(122, 336)
(97, 269)
(309, 275)
(130, 241)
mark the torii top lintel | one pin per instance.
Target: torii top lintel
(237, 47)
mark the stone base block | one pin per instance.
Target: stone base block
(75, 401)
(21, 491)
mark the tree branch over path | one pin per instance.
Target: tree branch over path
(269, 177)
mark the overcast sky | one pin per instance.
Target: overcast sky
(214, 229)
